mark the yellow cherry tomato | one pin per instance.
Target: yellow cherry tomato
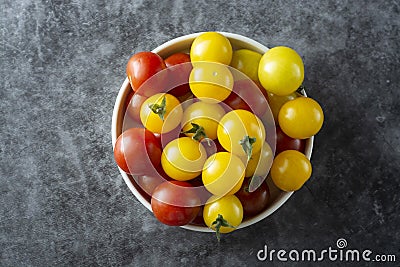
(260, 163)
(161, 113)
(212, 47)
(206, 116)
(219, 211)
(211, 82)
(247, 62)
(301, 118)
(241, 133)
(281, 70)
(276, 102)
(183, 159)
(223, 174)
(290, 170)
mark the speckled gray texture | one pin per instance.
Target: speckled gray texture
(63, 201)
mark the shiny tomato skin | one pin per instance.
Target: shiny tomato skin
(136, 151)
(281, 70)
(223, 174)
(134, 103)
(211, 82)
(234, 101)
(149, 182)
(235, 126)
(229, 207)
(211, 47)
(260, 163)
(255, 202)
(174, 203)
(301, 117)
(201, 191)
(290, 170)
(247, 95)
(284, 142)
(141, 66)
(183, 158)
(176, 59)
(276, 102)
(172, 116)
(246, 61)
(179, 68)
(205, 115)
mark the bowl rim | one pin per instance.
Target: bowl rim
(119, 102)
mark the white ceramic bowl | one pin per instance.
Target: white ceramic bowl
(182, 44)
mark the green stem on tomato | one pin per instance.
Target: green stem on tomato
(199, 133)
(247, 145)
(218, 223)
(159, 109)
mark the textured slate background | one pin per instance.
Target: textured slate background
(62, 199)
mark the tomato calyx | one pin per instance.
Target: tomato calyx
(247, 145)
(218, 223)
(159, 109)
(199, 133)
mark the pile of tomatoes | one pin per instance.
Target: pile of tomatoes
(200, 139)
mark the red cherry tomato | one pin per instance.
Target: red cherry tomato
(135, 101)
(150, 181)
(249, 96)
(234, 101)
(284, 142)
(137, 151)
(141, 67)
(201, 191)
(219, 146)
(175, 203)
(165, 138)
(176, 59)
(255, 202)
(128, 100)
(199, 220)
(179, 67)
(204, 196)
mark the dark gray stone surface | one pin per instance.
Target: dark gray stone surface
(63, 201)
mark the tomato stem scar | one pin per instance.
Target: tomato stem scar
(199, 133)
(159, 109)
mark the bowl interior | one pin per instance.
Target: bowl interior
(182, 44)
